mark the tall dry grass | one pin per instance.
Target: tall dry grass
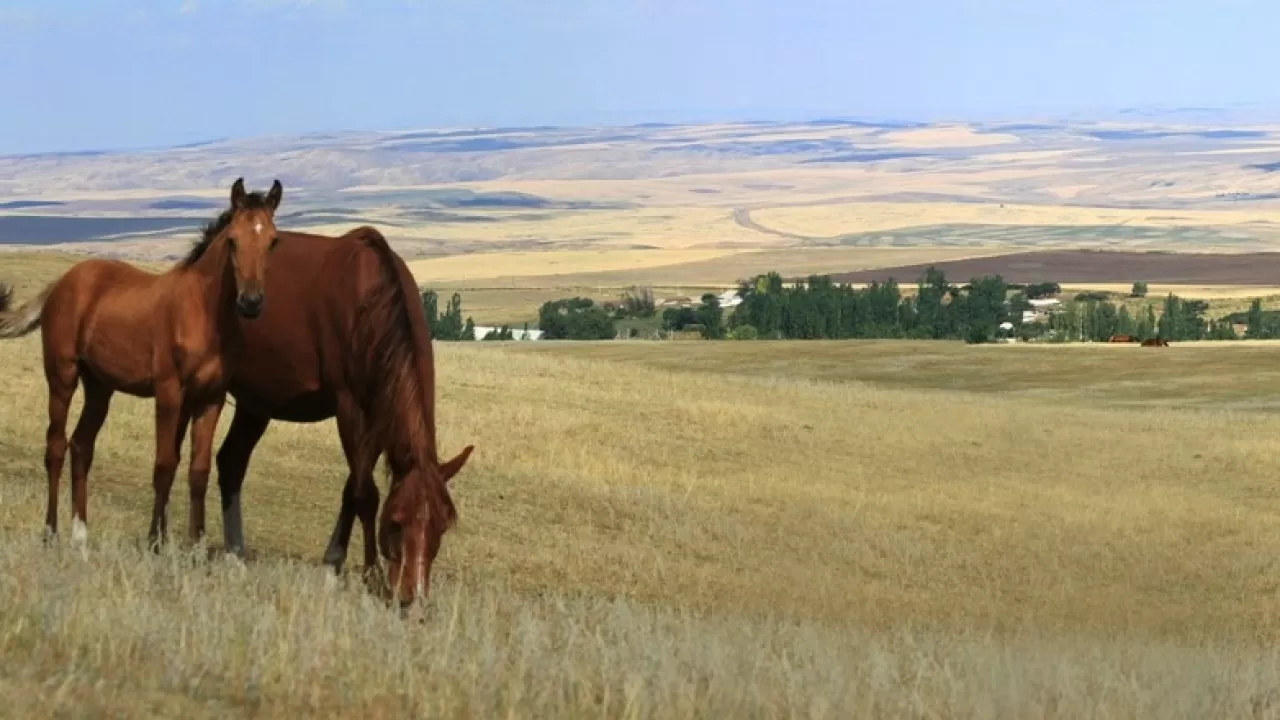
(645, 541)
(118, 631)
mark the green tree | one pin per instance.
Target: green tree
(1065, 324)
(501, 333)
(710, 317)
(1255, 328)
(1018, 304)
(1124, 322)
(575, 319)
(1169, 326)
(639, 302)
(1042, 290)
(931, 289)
(1147, 325)
(1222, 330)
(448, 325)
(1139, 290)
(677, 318)
(985, 308)
(1106, 320)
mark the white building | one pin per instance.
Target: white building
(516, 333)
(729, 299)
(1044, 303)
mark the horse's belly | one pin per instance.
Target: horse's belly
(305, 407)
(128, 373)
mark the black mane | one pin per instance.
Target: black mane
(214, 228)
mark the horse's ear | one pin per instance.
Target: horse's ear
(273, 197)
(451, 468)
(237, 193)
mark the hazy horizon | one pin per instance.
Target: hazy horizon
(102, 76)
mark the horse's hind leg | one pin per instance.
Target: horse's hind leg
(233, 462)
(62, 377)
(97, 400)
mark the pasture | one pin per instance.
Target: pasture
(699, 529)
(681, 529)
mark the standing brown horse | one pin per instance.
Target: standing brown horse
(175, 336)
(345, 337)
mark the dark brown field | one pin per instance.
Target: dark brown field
(1096, 266)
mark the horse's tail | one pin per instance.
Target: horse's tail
(18, 322)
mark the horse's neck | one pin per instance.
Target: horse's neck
(207, 282)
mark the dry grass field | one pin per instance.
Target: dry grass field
(695, 529)
(829, 220)
(621, 269)
(1077, 267)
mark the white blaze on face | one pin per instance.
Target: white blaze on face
(257, 227)
(421, 588)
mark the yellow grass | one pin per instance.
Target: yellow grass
(699, 529)
(708, 268)
(834, 219)
(27, 271)
(1157, 291)
(518, 264)
(662, 228)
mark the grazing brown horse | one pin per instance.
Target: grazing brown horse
(174, 336)
(1122, 339)
(1155, 342)
(345, 337)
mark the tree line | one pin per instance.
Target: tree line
(818, 308)
(448, 324)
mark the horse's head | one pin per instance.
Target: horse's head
(414, 519)
(251, 236)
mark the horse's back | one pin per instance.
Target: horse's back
(101, 314)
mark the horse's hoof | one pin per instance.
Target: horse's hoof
(373, 579)
(334, 559)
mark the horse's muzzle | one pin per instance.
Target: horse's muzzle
(249, 304)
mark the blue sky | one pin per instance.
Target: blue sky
(79, 74)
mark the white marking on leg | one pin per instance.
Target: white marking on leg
(79, 532)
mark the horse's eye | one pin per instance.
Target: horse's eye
(232, 242)
(274, 241)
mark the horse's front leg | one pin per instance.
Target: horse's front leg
(233, 462)
(204, 422)
(171, 424)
